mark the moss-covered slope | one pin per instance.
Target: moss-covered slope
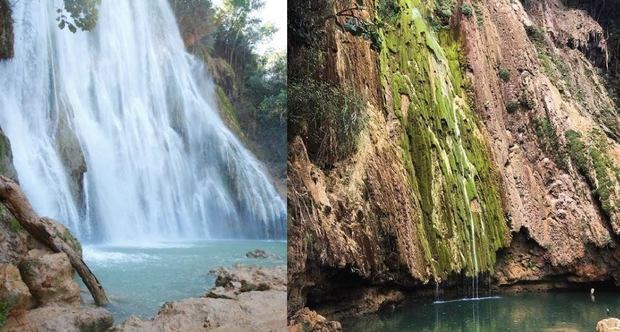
(462, 223)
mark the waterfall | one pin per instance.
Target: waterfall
(126, 104)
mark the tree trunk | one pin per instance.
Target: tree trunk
(42, 229)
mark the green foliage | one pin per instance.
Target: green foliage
(549, 141)
(461, 223)
(328, 117)
(504, 74)
(607, 174)
(467, 10)
(306, 21)
(265, 100)
(76, 14)
(592, 161)
(227, 110)
(15, 226)
(577, 151)
(388, 10)
(526, 102)
(535, 33)
(4, 311)
(512, 106)
(196, 19)
(444, 10)
(6, 30)
(479, 15)
(251, 90)
(238, 33)
(365, 29)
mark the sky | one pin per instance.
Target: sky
(274, 12)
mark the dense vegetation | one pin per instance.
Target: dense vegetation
(327, 115)
(6, 30)
(226, 39)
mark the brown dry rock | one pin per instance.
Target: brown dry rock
(306, 320)
(60, 318)
(13, 291)
(259, 253)
(50, 277)
(608, 325)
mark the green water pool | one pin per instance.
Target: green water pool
(554, 311)
(139, 279)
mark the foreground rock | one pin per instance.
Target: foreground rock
(608, 325)
(306, 320)
(259, 253)
(60, 318)
(245, 298)
(38, 291)
(49, 277)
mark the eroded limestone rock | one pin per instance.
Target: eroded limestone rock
(13, 291)
(50, 278)
(60, 318)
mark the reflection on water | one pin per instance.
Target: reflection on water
(566, 311)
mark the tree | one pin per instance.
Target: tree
(76, 14)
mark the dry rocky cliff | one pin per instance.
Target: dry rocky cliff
(490, 148)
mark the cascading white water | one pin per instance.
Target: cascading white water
(161, 164)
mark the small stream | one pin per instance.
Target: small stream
(139, 280)
(554, 311)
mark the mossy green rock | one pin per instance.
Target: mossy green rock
(462, 224)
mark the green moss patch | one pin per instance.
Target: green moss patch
(462, 222)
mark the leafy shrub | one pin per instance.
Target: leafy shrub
(328, 117)
(14, 225)
(577, 151)
(504, 74)
(388, 10)
(4, 311)
(549, 141)
(512, 106)
(526, 102)
(444, 10)
(81, 14)
(607, 174)
(467, 10)
(365, 29)
(593, 162)
(535, 34)
(479, 15)
(306, 20)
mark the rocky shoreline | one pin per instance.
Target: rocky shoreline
(245, 298)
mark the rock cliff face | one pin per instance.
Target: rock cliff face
(38, 291)
(490, 148)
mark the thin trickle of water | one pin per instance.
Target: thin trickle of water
(161, 165)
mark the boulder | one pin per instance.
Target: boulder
(259, 253)
(608, 325)
(60, 318)
(50, 278)
(244, 278)
(13, 291)
(306, 320)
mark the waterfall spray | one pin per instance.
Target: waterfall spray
(140, 112)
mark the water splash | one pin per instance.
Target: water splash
(161, 165)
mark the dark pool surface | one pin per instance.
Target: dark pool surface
(555, 311)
